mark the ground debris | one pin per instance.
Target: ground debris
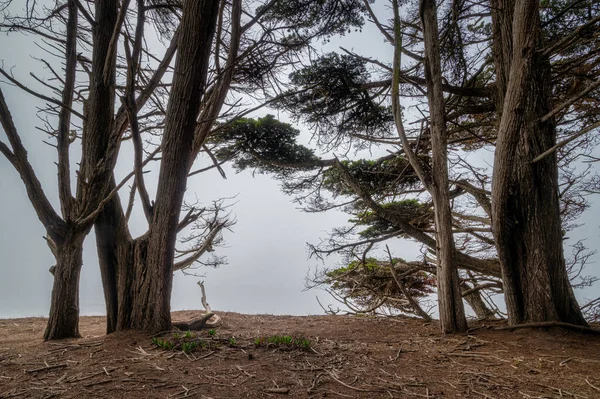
(350, 357)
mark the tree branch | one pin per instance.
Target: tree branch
(206, 245)
(111, 54)
(570, 101)
(565, 142)
(64, 116)
(18, 158)
(38, 95)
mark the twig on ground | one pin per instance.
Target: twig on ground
(283, 391)
(46, 368)
(592, 385)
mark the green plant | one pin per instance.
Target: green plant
(212, 332)
(189, 335)
(232, 341)
(302, 343)
(283, 342)
(187, 347)
(163, 343)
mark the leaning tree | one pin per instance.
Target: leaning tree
(345, 100)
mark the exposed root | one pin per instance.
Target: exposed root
(549, 324)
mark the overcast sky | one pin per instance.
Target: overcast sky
(268, 258)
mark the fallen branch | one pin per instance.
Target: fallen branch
(332, 375)
(46, 368)
(205, 320)
(196, 324)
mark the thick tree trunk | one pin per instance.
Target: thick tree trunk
(451, 308)
(63, 320)
(154, 261)
(525, 204)
(138, 274)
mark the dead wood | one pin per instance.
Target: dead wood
(207, 320)
(46, 368)
(199, 323)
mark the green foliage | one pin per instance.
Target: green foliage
(186, 343)
(187, 347)
(264, 144)
(212, 332)
(416, 213)
(381, 177)
(323, 17)
(163, 343)
(232, 341)
(285, 342)
(366, 284)
(333, 96)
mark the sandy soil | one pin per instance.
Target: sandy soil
(354, 357)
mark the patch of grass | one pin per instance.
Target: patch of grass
(187, 347)
(186, 343)
(286, 342)
(212, 332)
(163, 343)
(232, 341)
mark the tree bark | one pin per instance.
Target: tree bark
(451, 308)
(113, 243)
(477, 304)
(63, 321)
(525, 205)
(138, 274)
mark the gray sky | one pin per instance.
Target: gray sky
(266, 251)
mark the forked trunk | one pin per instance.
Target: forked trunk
(138, 274)
(525, 204)
(63, 320)
(132, 292)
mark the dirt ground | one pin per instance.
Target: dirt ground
(350, 357)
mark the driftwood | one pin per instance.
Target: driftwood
(206, 320)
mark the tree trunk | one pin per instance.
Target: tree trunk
(451, 308)
(63, 320)
(113, 243)
(138, 274)
(525, 204)
(477, 304)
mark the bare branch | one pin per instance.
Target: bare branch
(18, 157)
(38, 95)
(565, 142)
(206, 245)
(570, 101)
(64, 116)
